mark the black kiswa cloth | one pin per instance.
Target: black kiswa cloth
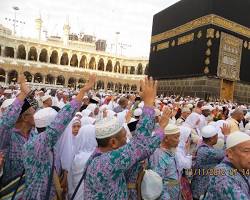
(25, 106)
(132, 125)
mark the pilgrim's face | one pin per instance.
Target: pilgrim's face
(173, 140)
(206, 113)
(240, 155)
(96, 111)
(48, 102)
(186, 114)
(75, 128)
(28, 116)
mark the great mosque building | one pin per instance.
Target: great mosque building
(66, 62)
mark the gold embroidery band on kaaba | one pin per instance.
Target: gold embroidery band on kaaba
(202, 21)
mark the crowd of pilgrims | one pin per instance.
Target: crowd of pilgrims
(81, 144)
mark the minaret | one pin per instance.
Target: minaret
(66, 31)
(39, 23)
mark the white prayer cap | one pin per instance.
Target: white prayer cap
(44, 117)
(137, 112)
(171, 129)
(185, 109)
(157, 112)
(247, 116)
(73, 97)
(236, 138)
(107, 127)
(190, 106)
(207, 107)
(208, 131)
(7, 103)
(165, 101)
(45, 98)
(7, 91)
(141, 105)
(247, 127)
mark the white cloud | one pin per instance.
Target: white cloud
(132, 18)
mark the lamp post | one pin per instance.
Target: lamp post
(116, 42)
(15, 9)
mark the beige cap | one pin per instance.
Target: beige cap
(236, 138)
(171, 129)
(45, 98)
(107, 127)
(186, 109)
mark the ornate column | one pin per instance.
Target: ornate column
(70, 57)
(44, 77)
(49, 54)
(79, 59)
(15, 52)
(2, 51)
(105, 84)
(38, 54)
(27, 52)
(59, 57)
(6, 77)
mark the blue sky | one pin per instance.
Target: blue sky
(103, 18)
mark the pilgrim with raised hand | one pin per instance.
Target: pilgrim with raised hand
(113, 158)
(25, 149)
(16, 128)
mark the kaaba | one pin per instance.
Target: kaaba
(202, 48)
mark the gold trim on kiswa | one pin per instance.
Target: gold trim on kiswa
(202, 21)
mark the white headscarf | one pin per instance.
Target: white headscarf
(84, 147)
(65, 146)
(183, 159)
(86, 113)
(86, 140)
(91, 107)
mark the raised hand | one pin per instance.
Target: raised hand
(25, 89)
(166, 115)
(149, 87)
(87, 87)
(90, 83)
(225, 129)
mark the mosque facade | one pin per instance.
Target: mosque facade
(66, 62)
